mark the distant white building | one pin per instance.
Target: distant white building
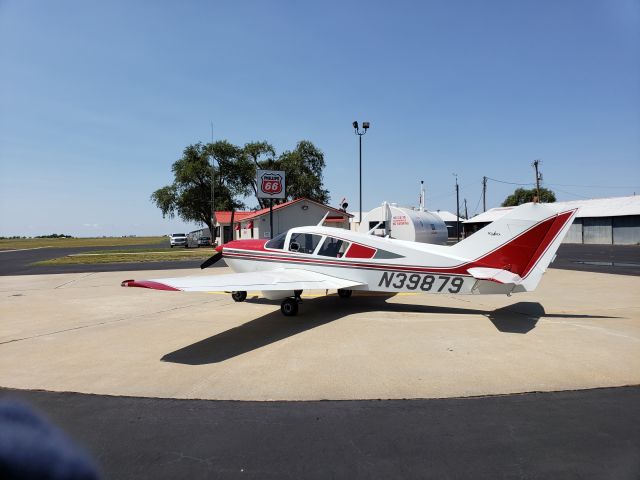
(599, 221)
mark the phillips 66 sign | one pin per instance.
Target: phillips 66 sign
(270, 184)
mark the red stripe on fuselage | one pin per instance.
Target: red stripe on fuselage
(519, 255)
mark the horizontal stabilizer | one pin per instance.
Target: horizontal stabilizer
(495, 275)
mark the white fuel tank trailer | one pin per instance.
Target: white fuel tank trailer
(405, 224)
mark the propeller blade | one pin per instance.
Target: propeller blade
(210, 261)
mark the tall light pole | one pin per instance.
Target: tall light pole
(457, 208)
(365, 126)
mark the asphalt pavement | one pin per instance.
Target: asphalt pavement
(20, 262)
(572, 434)
(616, 259)
(592, 434)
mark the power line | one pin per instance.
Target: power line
(589, 186)
(475, 210)
(565, 184)
(509, 183)
(574, 194)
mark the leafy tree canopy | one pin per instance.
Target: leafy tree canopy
(523, 195)
(234, 170)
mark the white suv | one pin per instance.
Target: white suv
(178, 240)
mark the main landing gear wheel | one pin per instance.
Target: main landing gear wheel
(239, 296)
(342, 293)
(289, 307)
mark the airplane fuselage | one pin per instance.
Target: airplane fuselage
(391, 266)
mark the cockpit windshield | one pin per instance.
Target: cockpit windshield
(276, 242)
(304, 242)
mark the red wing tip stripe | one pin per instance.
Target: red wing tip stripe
(148, 284)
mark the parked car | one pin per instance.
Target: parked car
(178, 240)
(204, 241)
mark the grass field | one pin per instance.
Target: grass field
(129, 257)
(17, 244)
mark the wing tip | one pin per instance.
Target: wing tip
(148, 284)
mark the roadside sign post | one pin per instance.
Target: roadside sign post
(271, 218)
(271, 184)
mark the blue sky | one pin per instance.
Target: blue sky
(98, 99)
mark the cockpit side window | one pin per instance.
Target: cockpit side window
(277, 242)
(333, 247)
(304, 242)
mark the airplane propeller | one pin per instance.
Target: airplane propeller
(213, 259)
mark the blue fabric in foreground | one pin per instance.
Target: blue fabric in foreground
(33, 448)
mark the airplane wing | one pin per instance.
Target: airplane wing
(281, 279)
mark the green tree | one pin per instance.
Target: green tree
(234, 170)
(189, 196)
(303, 167)
(523, 195)
(262, 155)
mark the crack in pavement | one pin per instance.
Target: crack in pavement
(74, 280)
(107, 322)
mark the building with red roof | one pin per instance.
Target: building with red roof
(294, 213)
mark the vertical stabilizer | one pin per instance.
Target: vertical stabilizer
(522, 242)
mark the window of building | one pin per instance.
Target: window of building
(304, 242)
(333, 247)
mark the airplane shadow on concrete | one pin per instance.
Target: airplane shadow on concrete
(519, 318)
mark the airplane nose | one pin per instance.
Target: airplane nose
(219, 248)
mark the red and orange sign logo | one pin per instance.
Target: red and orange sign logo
(271, 184)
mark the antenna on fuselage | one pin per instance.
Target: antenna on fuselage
(323, 219)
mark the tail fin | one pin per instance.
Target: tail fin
(518, 247)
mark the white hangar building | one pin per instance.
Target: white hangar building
(613, 221)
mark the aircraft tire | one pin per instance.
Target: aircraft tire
(239, 296)
(289, 307)
(344, 293)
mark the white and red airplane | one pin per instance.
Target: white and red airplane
(507, 256)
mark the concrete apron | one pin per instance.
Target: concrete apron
(84, 333)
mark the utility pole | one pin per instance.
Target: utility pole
(457, 208)
(213, 196)
(484, 194)
(536, 163)
(466, 214)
